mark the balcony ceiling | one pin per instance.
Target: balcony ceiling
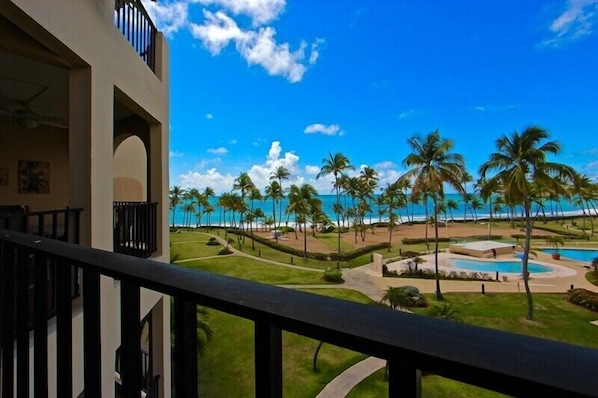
(34, 82)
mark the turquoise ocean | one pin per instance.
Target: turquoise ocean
(415, 212)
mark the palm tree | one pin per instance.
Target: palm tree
(336, 165)
(397, 298)
(582, 191)
(433, 166)
(451, 205)
(392, 195)
(369, 176)
(519, 161)
(465, 178)
(302, 202)
(244, 184)
(175, 195)
(475, 205)
(208, 192)
(280, 173)
(274, 192)
(254, 194)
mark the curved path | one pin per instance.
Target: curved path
(342, 384)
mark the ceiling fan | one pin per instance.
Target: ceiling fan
(27, 118)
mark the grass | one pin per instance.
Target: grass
(257, 271)
(554, 318)
(227, 367)
(432, 387)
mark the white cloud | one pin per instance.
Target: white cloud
(313, 170)
(218, 151)
(168, 16)
(574, 23)
(211, 178)
(260, 11)
(175, 154)
(331, 129)
(313, 57)
(257, 46)
(494, 108)
(406, 114)
(261, 48)
(217, 31)
(387, 164)
(209, 116)
(233, 142)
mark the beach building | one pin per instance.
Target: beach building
(85, 288)
(84, 116)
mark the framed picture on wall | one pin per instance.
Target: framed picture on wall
(3, 176)
(34, 176)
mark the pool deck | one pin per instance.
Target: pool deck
(566, 274)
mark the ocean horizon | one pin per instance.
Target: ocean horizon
(413, 212)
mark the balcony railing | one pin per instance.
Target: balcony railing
(61, 224)
(131, 18)
(135, 228)
(509, 363)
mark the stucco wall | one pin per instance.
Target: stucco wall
(130, 171)
(43, 144)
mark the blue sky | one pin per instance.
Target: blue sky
(260, 83)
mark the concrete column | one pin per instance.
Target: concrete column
(91, 104)
(378, 263)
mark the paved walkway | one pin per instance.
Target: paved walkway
(341, 385)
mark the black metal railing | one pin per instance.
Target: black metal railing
(135, 228)
(61, 224)
(131, 18)
(505, 362)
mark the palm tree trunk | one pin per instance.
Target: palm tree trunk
(274, 218)
(305, 238)
(526, 249)
(390, 227)
(439, 296)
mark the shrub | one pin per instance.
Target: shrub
(418, 300)
(584, 298)
(213, 242)
(224, 251)
(333, 275)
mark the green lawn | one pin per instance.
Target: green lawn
(254, 270)
(554, 318)
(227, 367)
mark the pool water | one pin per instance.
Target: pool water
(576, 254)
(497, 266)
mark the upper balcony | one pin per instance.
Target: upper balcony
(500, 361)
(131, 18)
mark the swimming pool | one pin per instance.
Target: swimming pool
(576, 254)
(494, 266)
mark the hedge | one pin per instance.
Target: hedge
(317, 256)
(584, 298)
(415, 241)
(568, 234)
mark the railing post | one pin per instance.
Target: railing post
(64, 330)
(185, 348)
(130, 336)
(40, 327)
(92, 350)
(7, 278)
(22, 337)
(268, 360)
(404, 379)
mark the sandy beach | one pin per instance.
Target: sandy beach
(321, 243)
